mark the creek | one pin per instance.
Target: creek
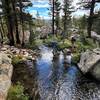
(48, 79)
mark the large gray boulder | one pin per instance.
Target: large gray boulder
(95, 36)
(90, 62)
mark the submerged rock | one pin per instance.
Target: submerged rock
(90, 62)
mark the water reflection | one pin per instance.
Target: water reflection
(51, 73)
(60, 81)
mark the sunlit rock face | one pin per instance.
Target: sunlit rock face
(5, 75)
(90, 62)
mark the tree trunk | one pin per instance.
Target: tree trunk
(9, 22)
(57, 23)
(31, 35)
(53, 32)
(16, 22)
(2, 26)
(10, 31)
(1, 36)
(30, 27)
(22, 21)
(65, 24)
(90, 19)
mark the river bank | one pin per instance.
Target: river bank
(10, 56)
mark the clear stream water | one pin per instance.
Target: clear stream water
(49, 80)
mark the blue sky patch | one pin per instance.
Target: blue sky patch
(42, 6)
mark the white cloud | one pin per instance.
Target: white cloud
(41, 6)
(80, 13)
(74, 4)
(33, 13)
(45, 17)
(40, 3)
(38, 0)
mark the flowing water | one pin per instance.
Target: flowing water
(49, 80)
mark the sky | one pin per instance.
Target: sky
(42, 6)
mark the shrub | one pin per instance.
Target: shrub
(66, 44)
(16, 59)
(16, 92)
(76, 58)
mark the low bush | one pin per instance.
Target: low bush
(16, 92)
(16, 59)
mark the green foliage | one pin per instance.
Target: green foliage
(57, 16)
(16, 92)
(34, 44)
(65, 44)
(16, 59)
(38, 42)
(82, 44)
(80, 22)
(83, 47)
(76, 58)
(51, 39)
(66, 18)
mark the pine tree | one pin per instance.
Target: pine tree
(57, 15)
(89, 5)
(15, 21)
(13, 11)
(67, 10)
(52, 3)
(7, 10)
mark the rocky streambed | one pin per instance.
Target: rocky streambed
(48, 79)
